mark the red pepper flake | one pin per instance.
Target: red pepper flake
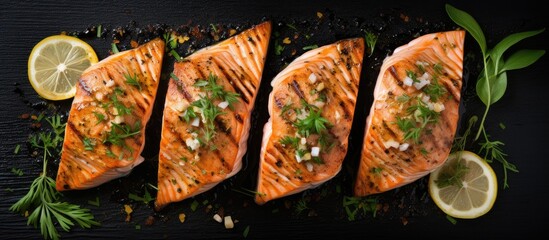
(116, 41)
(232, 32)
(25, 116)
(294, 52)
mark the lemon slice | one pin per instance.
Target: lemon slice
(465, 186)
(56, 63)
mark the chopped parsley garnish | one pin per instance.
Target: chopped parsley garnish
(352, 206)
(310, 47)
(100, 117)
(132, 80)
(278, 48)
(314, 123)
(119, 132)
(371, 40)
(415, 123)
(207, 108)
(290, 141)
(89, 144)
(17, 171)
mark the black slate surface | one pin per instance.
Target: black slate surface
(520, 211)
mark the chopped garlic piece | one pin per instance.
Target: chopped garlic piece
(99, 96)
(180, 106)
(438, 107)
(320, 86)
(403, 147)
(425, 76)
(109, 83)
(196, 122)
(312, 78)
(192, 143)
(223, 104)
(315, 151)
(408, 81)
(307, 157)
(298, 158)
(337, 116)
(319, 104)
(303, 141)
(391, 143)
(114, 111)
(309, 166)
(118, 120)
(229, 224)
(421, 63)
(422, 83)
(217, 218)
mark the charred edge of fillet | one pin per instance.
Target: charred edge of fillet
(181, 89)
(278, 103)
(297, 89)
(393, 72)
(238, 118)
(388, 129)
(84, 86)
(236, 89)
(251, 40)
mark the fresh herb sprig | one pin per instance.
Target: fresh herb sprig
(492, 81)
(371, 40)
(43, 200)
(210, 111)
(133, 80)
(352, 206)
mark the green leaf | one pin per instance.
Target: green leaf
(491, 91)
(497, 52)
(466, 21)
(522, 59)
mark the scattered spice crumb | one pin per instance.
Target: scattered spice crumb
(232, 32)
(404, 18)
(134, 43)
(286, 40)
(217, 218)
(128, 209)
(319, 15)
(149, 221)
(404, 221)
(182, 217)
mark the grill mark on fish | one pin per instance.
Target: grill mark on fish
(297, 89)
(394, 73)
(84, 86)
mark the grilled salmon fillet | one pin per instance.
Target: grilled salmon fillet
(206, 119)
(105, 131)
(414, 116)
(311, 111)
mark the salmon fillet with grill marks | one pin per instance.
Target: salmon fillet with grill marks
(414, 116)
(206, 118)
(105, 131)
(311, 111)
